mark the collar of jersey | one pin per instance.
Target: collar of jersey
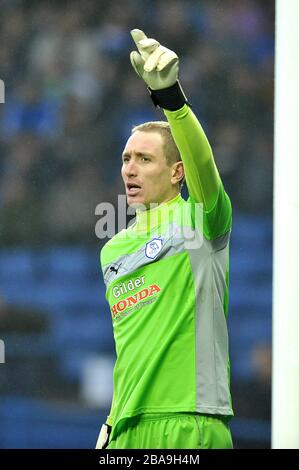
(146, 221)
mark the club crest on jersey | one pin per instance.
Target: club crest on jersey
(153, 248)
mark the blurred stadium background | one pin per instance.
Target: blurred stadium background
(71, 100)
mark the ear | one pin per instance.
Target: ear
(177, 172)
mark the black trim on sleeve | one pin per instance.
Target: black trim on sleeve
(171, 98)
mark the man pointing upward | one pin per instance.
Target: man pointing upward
(172, 371)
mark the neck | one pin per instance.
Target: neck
(153, 205)
(151, 218)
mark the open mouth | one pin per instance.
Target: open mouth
(132, 188)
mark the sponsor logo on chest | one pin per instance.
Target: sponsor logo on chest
(136, 300)
(144, 296)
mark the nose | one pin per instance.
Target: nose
(130, 168)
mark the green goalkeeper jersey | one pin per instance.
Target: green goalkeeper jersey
(167, 287)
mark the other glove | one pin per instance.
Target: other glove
(103, 438)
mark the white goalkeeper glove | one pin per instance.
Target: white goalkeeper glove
(158, 67)
(103, 438)
(155, 64)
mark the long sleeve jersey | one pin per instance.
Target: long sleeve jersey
(168, 293)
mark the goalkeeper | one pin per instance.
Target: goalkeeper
(168, 298)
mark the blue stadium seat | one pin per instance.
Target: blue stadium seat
(252, 230)
(73, 263)
(27, 423)
(16, 265)
(84, 332)
(249, 262)
(48, 297)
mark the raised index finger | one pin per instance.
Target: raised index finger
(137, 35)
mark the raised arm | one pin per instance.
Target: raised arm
(202, 178)
(158, 67)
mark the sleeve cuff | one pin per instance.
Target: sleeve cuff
(171, 98)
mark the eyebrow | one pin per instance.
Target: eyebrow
(139, 154)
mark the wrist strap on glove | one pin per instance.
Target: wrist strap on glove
(171, 98)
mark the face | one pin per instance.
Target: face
(147, 176)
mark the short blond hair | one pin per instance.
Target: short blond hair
(171, 151)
